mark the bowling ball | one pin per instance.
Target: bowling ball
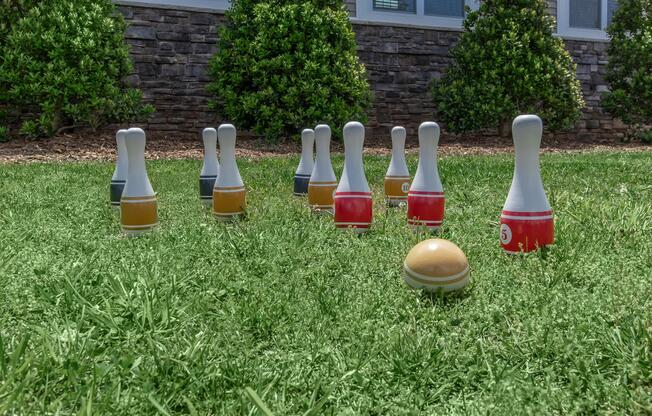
(435, 265)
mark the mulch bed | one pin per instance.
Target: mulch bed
(101, 147)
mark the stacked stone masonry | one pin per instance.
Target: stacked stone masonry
(171, 50)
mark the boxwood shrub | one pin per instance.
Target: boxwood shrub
(507, 62)
(629, 72)
(62, 62)
(286, 65)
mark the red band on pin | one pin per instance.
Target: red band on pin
(426, 210)
(526, 235)
(352, 211)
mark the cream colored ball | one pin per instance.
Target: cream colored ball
(435, 265)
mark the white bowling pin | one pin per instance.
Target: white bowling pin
(323, 182)
(138, 207)
(229, 195)
(304, 170)
(426, 196)
(119, 178)
(397, 178)
(211, 167)
(527, 221)
(353, 203)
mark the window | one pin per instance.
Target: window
(585, 14)
(612, 5)
(584, 19)
(435, 13)
(453, 8)
(395, 5)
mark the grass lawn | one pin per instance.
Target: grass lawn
(283, 311)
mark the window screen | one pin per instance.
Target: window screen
(453, 8)
(585, 14)
(395, 5)
(612, 5)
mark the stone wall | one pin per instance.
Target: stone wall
(171, 50)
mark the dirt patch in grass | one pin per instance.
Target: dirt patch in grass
(89, 146)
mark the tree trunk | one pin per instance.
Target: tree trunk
(505, 128)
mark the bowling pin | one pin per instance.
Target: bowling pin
(353, 204)
(323, 182)
(211, 167)
(302, 175)
(526, 222)
(397, 178)
(138, 208)
(426, 195)
(229, 195)
(119, 178)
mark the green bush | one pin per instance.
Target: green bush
(63, 63)
(629, 72)
(507, 63)
(286, 65)
(10, 12)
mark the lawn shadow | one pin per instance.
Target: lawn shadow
(445, 300)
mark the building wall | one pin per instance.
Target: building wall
(171, 50)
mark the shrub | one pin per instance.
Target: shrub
(507, 62)
(10, 12)
(63, 62)
(285, 65)
(629, 72)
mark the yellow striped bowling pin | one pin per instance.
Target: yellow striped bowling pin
(211, 167)
(323, 182)
(119, 179)
(397, 178)
(138, 208)
(229, 195)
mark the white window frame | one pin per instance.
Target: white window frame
(365, 13)
(565, 30)
(200, 5)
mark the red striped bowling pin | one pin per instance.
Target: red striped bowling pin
(397, 178)
(526, 222)
(138, 207)
(210, 168)
(353, 204)
(323, 182)
(119, 179)
(229, 195)
(426, 196)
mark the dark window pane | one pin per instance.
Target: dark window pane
(395, 5)
(612, 5)
(585, 13)
(453, 8)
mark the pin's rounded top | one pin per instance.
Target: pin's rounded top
(121, 132)
(135, 133)
(354, 130)
(429, 127)
(308, 134)
(527, 123)
(226, 131)
(209, 131)
(399, 133)
(322, 130)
